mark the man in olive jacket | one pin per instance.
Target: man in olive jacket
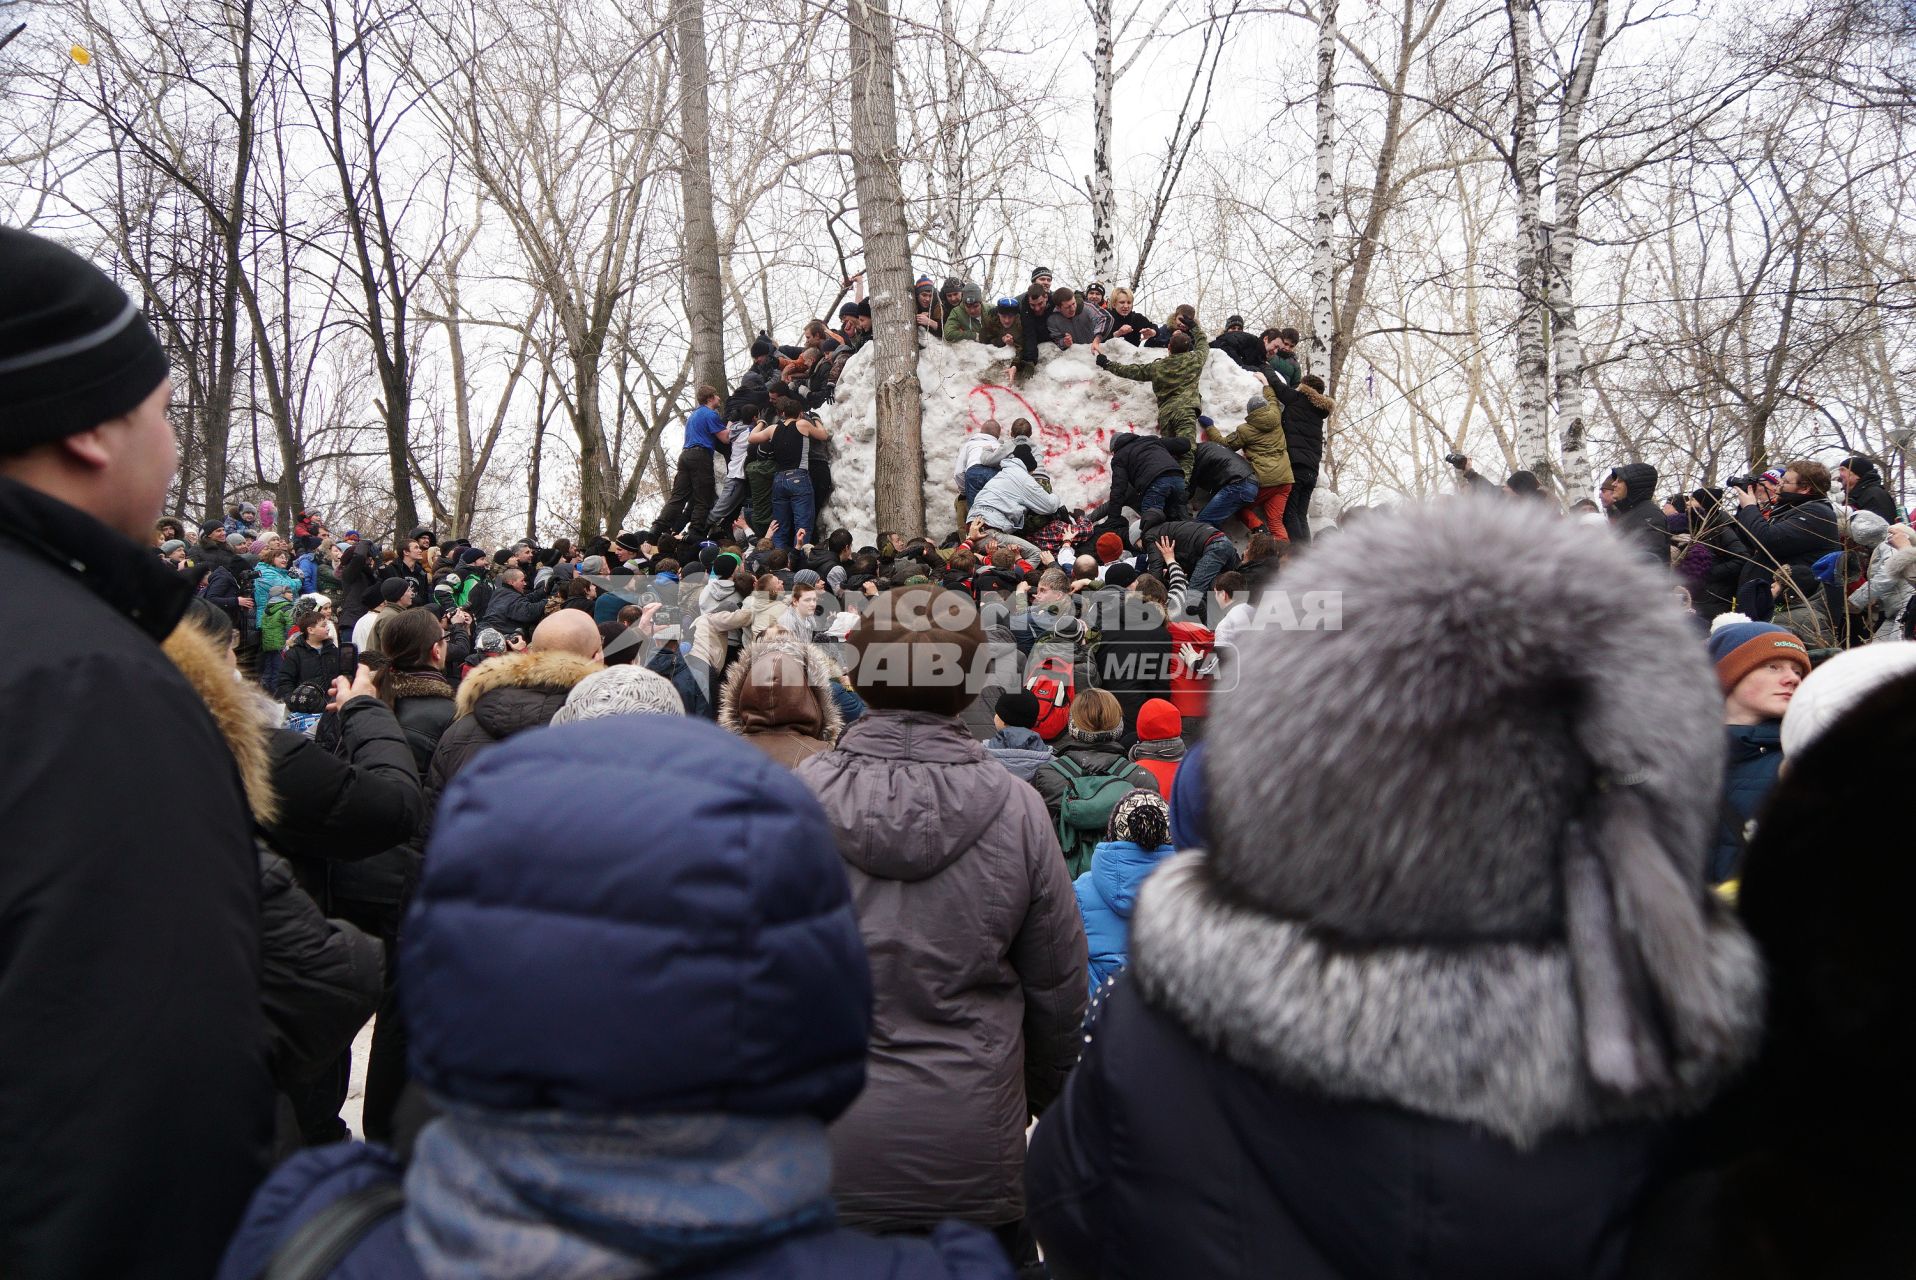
(135, 1106)
(1266, 448)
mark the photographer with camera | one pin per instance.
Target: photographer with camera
(1799, 528)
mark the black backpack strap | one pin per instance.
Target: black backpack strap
(324, 1240)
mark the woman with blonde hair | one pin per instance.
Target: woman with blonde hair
(1089, 775)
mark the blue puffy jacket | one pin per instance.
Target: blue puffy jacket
(708, 966)
(1106, 895)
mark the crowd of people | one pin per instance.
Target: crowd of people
(729, 902)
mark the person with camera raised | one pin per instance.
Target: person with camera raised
(1799, 528)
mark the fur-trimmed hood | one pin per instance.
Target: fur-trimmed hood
(781, 683)
(1319, 401)
(540, 672)
(519, 691)
(246, 717)
(1510, 928)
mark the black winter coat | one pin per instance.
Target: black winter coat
(1138, 321)
(321, 979)
(222, 589)
(136, 1109)
(355, 580)
(1133, 658)
(1163, 1159)
(347, 806)
(302, 664)
(1188, 538)
(1870, 495)
(510, 611)
(1136, 461)
(1245, 348)
(1799, 531)
(376, 885)
(1216, 466)
(1305, 413)
(1638, 519)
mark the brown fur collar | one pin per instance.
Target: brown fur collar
(763, 701)
(419, 684)
(1321, 402)
(246, 716)
(530, 670)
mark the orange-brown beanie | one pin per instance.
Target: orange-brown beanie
(914, 651)
(1742, 647)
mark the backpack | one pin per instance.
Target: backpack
(1054, 696)
(1084, 812)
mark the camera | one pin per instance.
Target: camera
(1457, 460)
(1743, 482)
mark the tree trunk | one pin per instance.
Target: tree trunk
(1104, 259)
(704, 291)
(1317, 354)
(1533, 362)
(1567, 340)
(899, 462)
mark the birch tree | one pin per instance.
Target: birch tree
(899, 464)
(1533, 361)
(1323, 220)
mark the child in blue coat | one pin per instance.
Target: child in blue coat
(1137, 839)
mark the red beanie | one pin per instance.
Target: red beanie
(1157, 720)
(1110, 546)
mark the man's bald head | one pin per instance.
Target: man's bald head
(569, 631)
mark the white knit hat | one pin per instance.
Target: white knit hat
(625, 690)
(1840, 684)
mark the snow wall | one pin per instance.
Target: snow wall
(1074, 408)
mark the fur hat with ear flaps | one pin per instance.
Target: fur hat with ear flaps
(1463, 869)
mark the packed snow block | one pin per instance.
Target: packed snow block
(1074, 408)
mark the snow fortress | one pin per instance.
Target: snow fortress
(1074, 407)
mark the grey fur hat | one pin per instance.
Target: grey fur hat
(1462, 871)
(623, 690)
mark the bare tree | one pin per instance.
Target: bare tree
(704, 291)
(899, 465)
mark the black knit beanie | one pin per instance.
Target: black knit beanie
(74, 349)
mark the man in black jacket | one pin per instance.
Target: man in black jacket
(1629, 496)
(513, 609)
(1198, 548)
(1307, 408)
(1863, 486)
(1226, 478)
(1800, 529)
(136, 1106)
(1145, 476)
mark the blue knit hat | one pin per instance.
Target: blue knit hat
(1741, 647)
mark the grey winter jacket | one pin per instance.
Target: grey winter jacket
(1021, 751)
(978, 970)
(1892, 574)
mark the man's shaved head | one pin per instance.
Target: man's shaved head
(569, 631)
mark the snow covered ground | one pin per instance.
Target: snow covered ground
(1074, 408)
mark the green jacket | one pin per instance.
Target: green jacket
(962, 326)
(994, 329)
(1262, 441)
(1288, 367)
(1174, 379)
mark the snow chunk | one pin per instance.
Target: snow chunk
(1074, 408)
